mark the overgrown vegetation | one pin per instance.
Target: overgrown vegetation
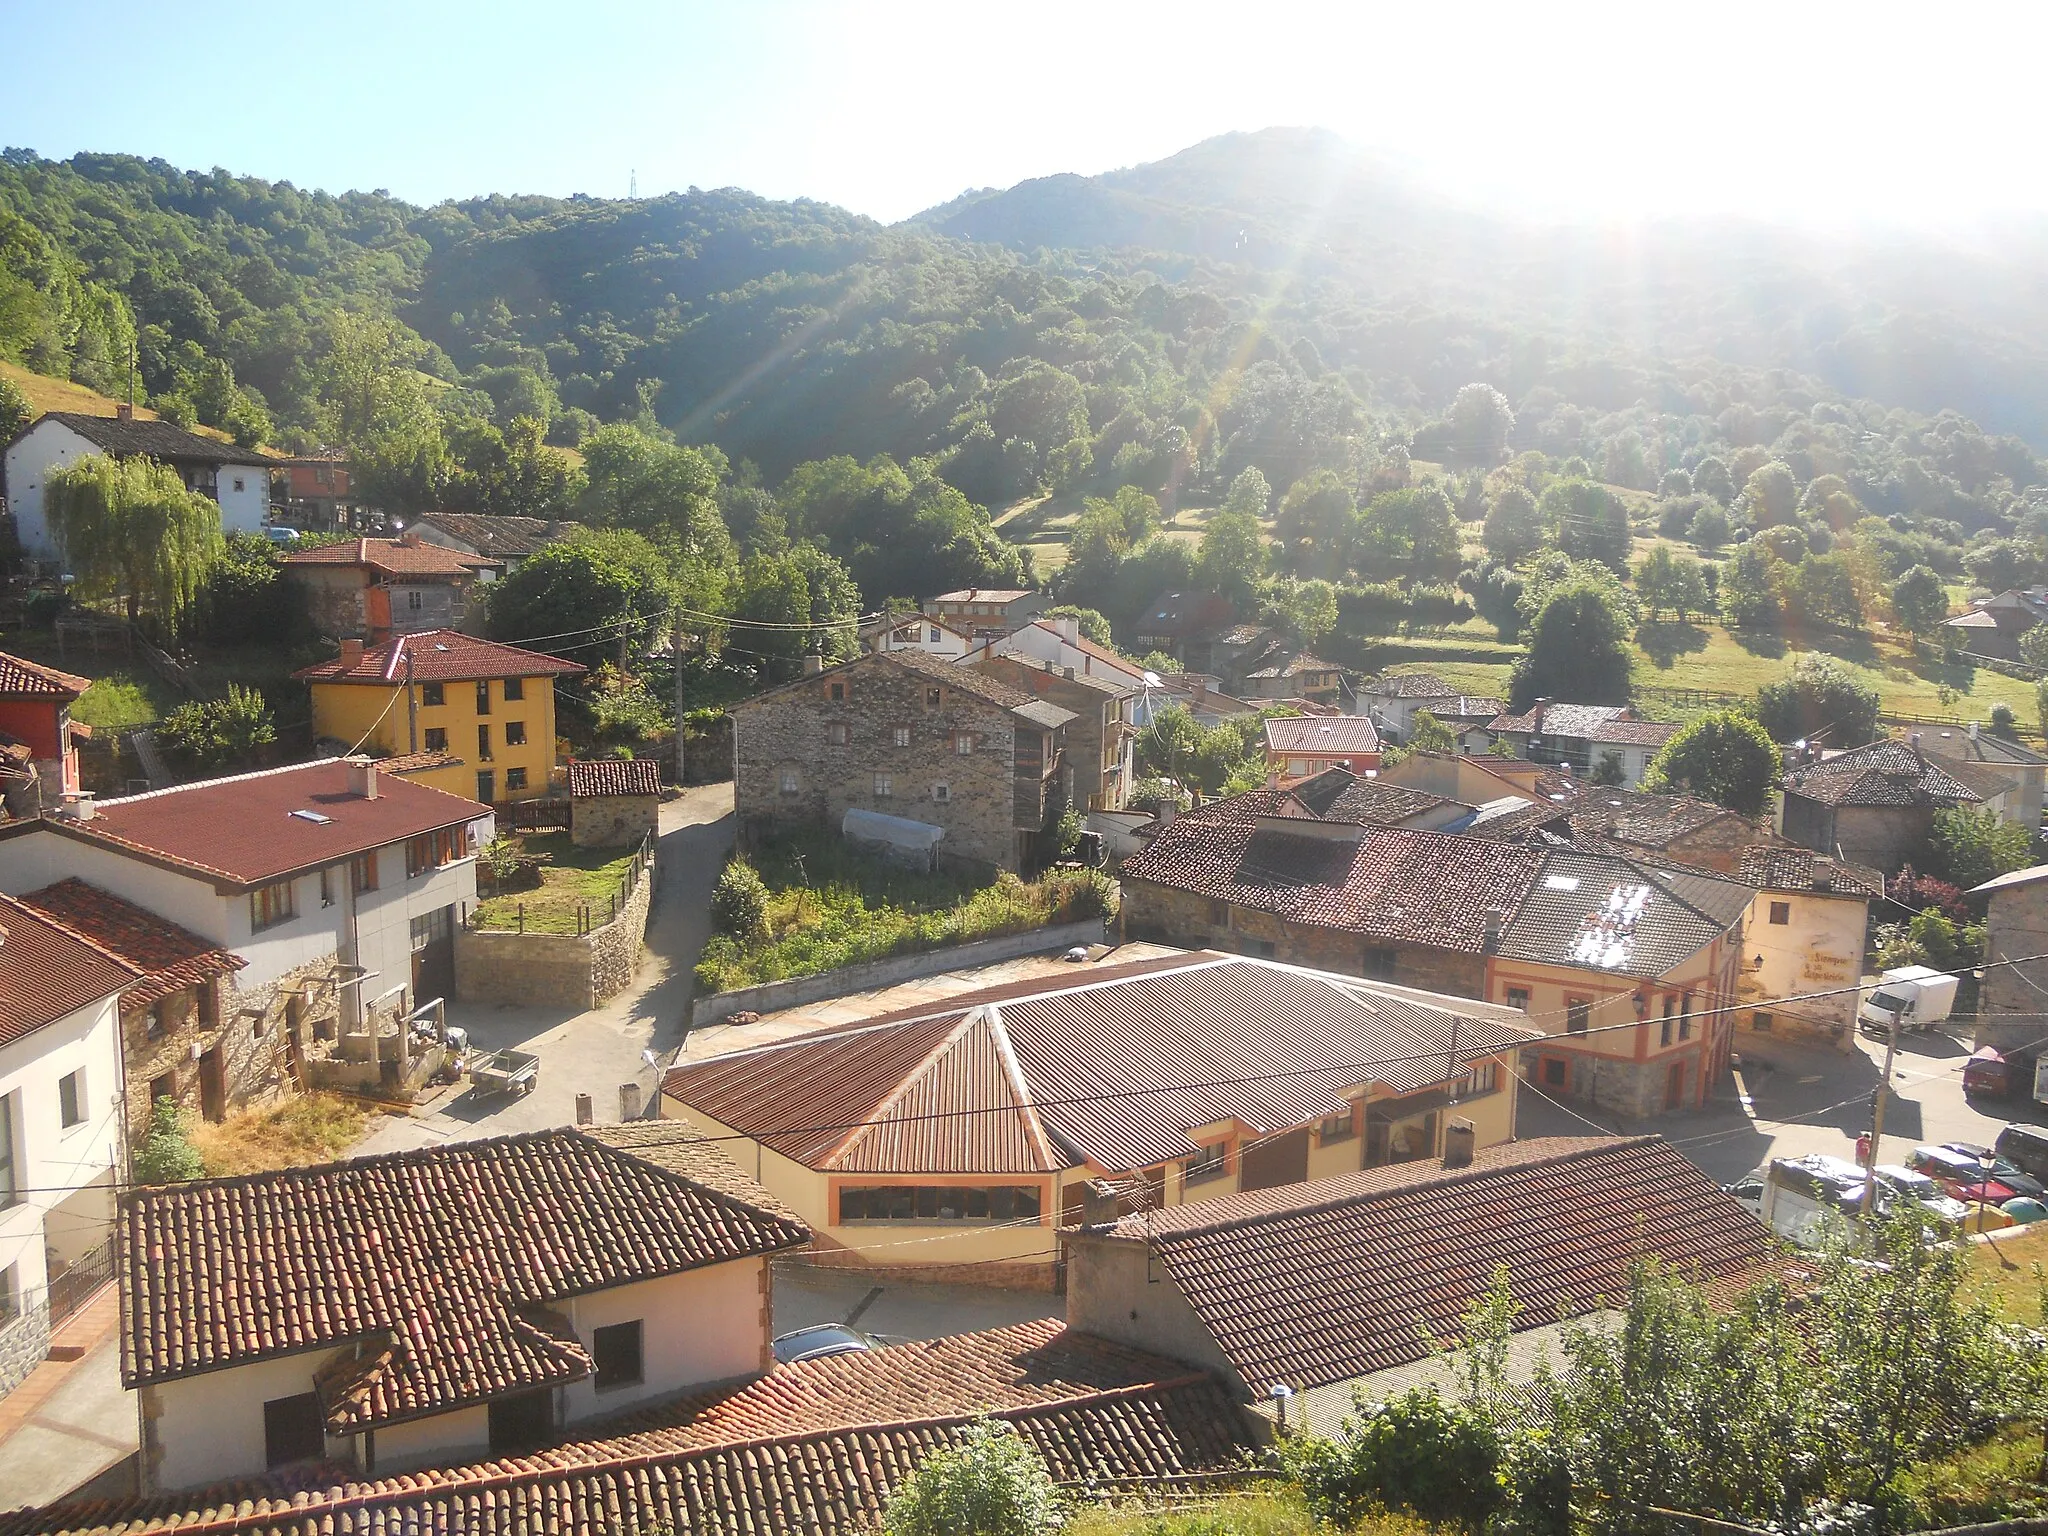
(575, 890)
(300, 1129)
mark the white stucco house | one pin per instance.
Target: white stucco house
(916, 632)
(438, 1305)
(61, 1126)
(235, 477)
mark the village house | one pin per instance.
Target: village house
(1804, 934)
(916, 632)
(614, 802)
(172, 1020)
(1289, 672)
(1339, 795)
(2010, 1000)
(62, 1147)
(986, 613)
(38, 738)
(433, 1305)
(1992, 626)
(906, 750)
(1872, 804)
(1353, 1284)
(315, 491)
(236, 478)
(1475, 780)
(1059, 641)
(1180, 624)
(372, 589)
(1298, 746)
(486, 711)
(1629, 968)
(338, 887)
(817, 1446)
(1973, 744)
(1678, 827)
(508, 540)
(1392, 699)
(1100, 740)
(1598, 741)
(1201, 695)
(1075, 1092)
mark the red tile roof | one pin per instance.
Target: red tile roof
(1801, 869)
(445, 1262)
(47, 971)
(816, 1447)
(1410, 685)
(245, 830)
(984, 595)
(170, 958)
(1315, 734)
(22, 679)
(394, 557)
(1881, 773)
(438, 656)
(1337, 1278)
(614, 776)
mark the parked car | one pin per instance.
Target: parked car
(1802, 1196)
(2025, 1146)
(1962, 1177)
(1749, 1189)
(2002, 1169)
(278, 535)
(819, 1342)
(1906, 1183)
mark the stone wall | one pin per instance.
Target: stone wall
(557, 970)
(2015, 926)
(251, 1029)
(23, 1344)
(333, 598)
(612, 821)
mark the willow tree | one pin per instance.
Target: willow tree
(130, 529)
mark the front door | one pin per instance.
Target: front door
(213, 1086)
(1674, 1086)
(433, 956)
(1269, 1164)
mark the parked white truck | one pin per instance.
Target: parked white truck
(1922, 998)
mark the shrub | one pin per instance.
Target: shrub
(991, 1484)
(739, 901)
(219, 733)
(1416, 1453)
(167, 1155)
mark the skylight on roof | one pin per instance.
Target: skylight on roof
(313, 816)
(1560, 882)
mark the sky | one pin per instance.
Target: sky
(1911, 114)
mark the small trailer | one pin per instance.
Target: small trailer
(502, 1072)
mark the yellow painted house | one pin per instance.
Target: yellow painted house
(487, 710)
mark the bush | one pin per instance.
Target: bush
(219, 733)
(167, 1155)
(1416, 1453)
(739, 902)
(991, 1484)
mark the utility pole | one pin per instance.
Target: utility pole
(412, 703)
(1884, 1083)
(682, 752)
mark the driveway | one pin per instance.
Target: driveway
(597, 1051)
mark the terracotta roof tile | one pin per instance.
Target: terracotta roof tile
(392, 557)
(170, 958)
(438, 656)
(48, 970)
(984, 595)
(444, 1261)
(1337, 1278)
(1771, 868)
(1881, 773)
(152, 439)
(499, 536)
(20, 678)
(614, 776)
(1307, 733)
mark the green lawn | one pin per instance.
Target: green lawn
(572, 879)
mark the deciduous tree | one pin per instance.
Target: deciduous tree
(130, 529)
(1514, 529)
(1725, 757)
(1819, 697)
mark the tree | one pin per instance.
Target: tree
(2004, 724)
(1307, 609)
(1094, 627)
(739, 902)
(1972, 845)
(1820, 698)
(1249, 492)
(1578, 649)
(799, 601)
(1041, 405)
(1588, 521)
(1415, 528)
(2034, 646)
(1480, 423)
(594, 593)
(167, 1155)
(1415, 1453)
(374, 403)
(1751, 587)
(992, 1483)
(1167, 746)
(130, 529)
(1232, 556)
(1710, 528)
(1318, 523)
(216, 734)
(1514, 529)
(1920, 600)
(1725, 757)
(1426, 733)
(14, 410)
(1665, 580)
(1710, 477)
(1825, 590)
(1771, 494)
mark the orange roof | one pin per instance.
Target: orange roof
(47, 970)
(438, 656)
(394, 557)
(169, 957)
(31, 679)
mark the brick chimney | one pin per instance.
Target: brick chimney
(351, 653)
(123, 411)
(362, 777)
(1460, 1141)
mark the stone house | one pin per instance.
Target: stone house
(1587, 738)
(1053, 1070)
(1804, 934)
(1180, 624)
(1100, 742)
(986, 613)
(1680, 827)
(38, 738)
(372, 589)
(1993, 626)
(906, 736)
(1871, 805)
(1286, 672)
(509, 540)
(175, 1043)
(2010, 1003)
(2009, 759)
(614, 802)
(435, 1305)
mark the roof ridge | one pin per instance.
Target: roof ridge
(870, 1121)
(1020, 1086)
(676, 1175)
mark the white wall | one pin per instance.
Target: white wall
(243, 511)
(210, 1427)
(701, 1326)
(46, 446)
(464, 1435)
(51, 1163)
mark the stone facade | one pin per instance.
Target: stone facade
(1882, 836)
(612, 821)
(217, 1048)
(2016, 925)
(1095, 741)
(560, 970)
(880, 734)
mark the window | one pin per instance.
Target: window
(431, 850)
(293, 1430)
(270, 905)
(430, 693)
(515, 733)
(963, 742)
(71, 1099)
(899, 1203)
(10, 1190)
(156, 1021)
(515, 778)
(900, 736)
(1577, 1012)
(836, 692)
(483, 697)
(1781, 912)
(10, 1296)
(164, 1087)
(1761, 1022)
(1518, 997)
(615, 1351)
(520, 1423)
(1670, 1020)
(487, 786)
(792, 784)
(515, 689)
(1478, 1080)
(838, 733)
(1333, 1128)
(238, 482)
(362, 873)
(429, 926)
(1211, 1162)
(483, 743)
(327, 887)
(942, 792)
(436, 739)
(932, 634)
(885, 786)
(413, 601)
(1685, 1019)
(931, 698)
(1556, 1071)
(1261, 949)
(1219, 913)
(1380, 963)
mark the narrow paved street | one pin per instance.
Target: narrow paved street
(597, 1051)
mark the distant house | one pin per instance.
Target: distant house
(38, 738)
(237, 478)
(987, 613)
(613, 801)
(1178, 622)
(62, 1145)
(1678, 827)
(1872, 804)
(1099, 740)
(1352, 1285)
(1199, 694)
(1586, 737)
(916, 632)
(1805, 934)
(372, 589)
(913, 751)
(1339, 796)
(1051, 1075)
(1393, 698)
(1287, 672)
(511, 541)
(1300, 745)
(316, 491)
(1973, 744)
(1992, 626)
(434, 1305)
(1060, 642)
(484, 713)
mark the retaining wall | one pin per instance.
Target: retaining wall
(560, 970)
(774, 996)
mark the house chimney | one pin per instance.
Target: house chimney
(629, 1101)
(351, 653)
(1459, 1142)
(1492, 932)
(1166, 810)
(123, 411)
(1973, 730)
(1069, 629)
(362, 777)
(813, 665)
(78, 805)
